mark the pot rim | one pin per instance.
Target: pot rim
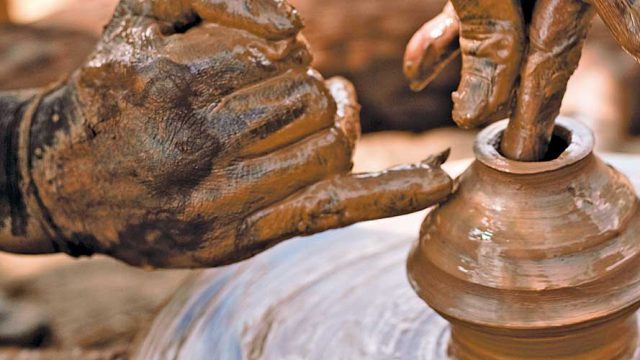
(578, 136)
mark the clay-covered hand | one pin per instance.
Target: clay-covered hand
(507, 72)
(509, 48)
(197, 135)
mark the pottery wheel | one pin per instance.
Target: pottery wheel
(342, 294)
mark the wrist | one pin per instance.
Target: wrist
(25, 224)
(19, 231)
(56, 122)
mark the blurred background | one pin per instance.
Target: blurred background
(63, 308)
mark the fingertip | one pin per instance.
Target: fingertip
(343, 92)
(492, 41)
(470, 101)
(347, 108)
(347, 199)
(272, 19)
(406, 189)
(413, 52)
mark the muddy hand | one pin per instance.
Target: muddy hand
(490, 35)
(197, 135)
(505, 71)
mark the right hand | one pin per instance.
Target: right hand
(197, 135)
(506, 72)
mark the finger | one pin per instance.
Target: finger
(431, 48)
(326, 103)
(272, 114)
(347, 199)
(173, 11)
(271, 19)
(557, 32)
(224, 60)
(347, 117)
(252, 184)
(491, 41)
(623, 19)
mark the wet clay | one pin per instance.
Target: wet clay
(342, 294)
(509, 73)
(534, 260)
(556, 36)
(188, 138)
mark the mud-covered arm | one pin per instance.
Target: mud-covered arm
(19, 230)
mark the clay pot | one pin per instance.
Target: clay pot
(534, 260)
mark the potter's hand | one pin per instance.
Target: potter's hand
(197, 135)
(500, 60)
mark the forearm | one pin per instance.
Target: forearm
(20, 231)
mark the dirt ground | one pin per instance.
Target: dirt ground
(96, 305)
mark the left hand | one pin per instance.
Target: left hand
(198, 135)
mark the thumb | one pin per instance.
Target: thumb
(431, 48)
(347, 199)
(492, 42)
(271, 19)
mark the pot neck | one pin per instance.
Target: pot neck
(574, 139)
